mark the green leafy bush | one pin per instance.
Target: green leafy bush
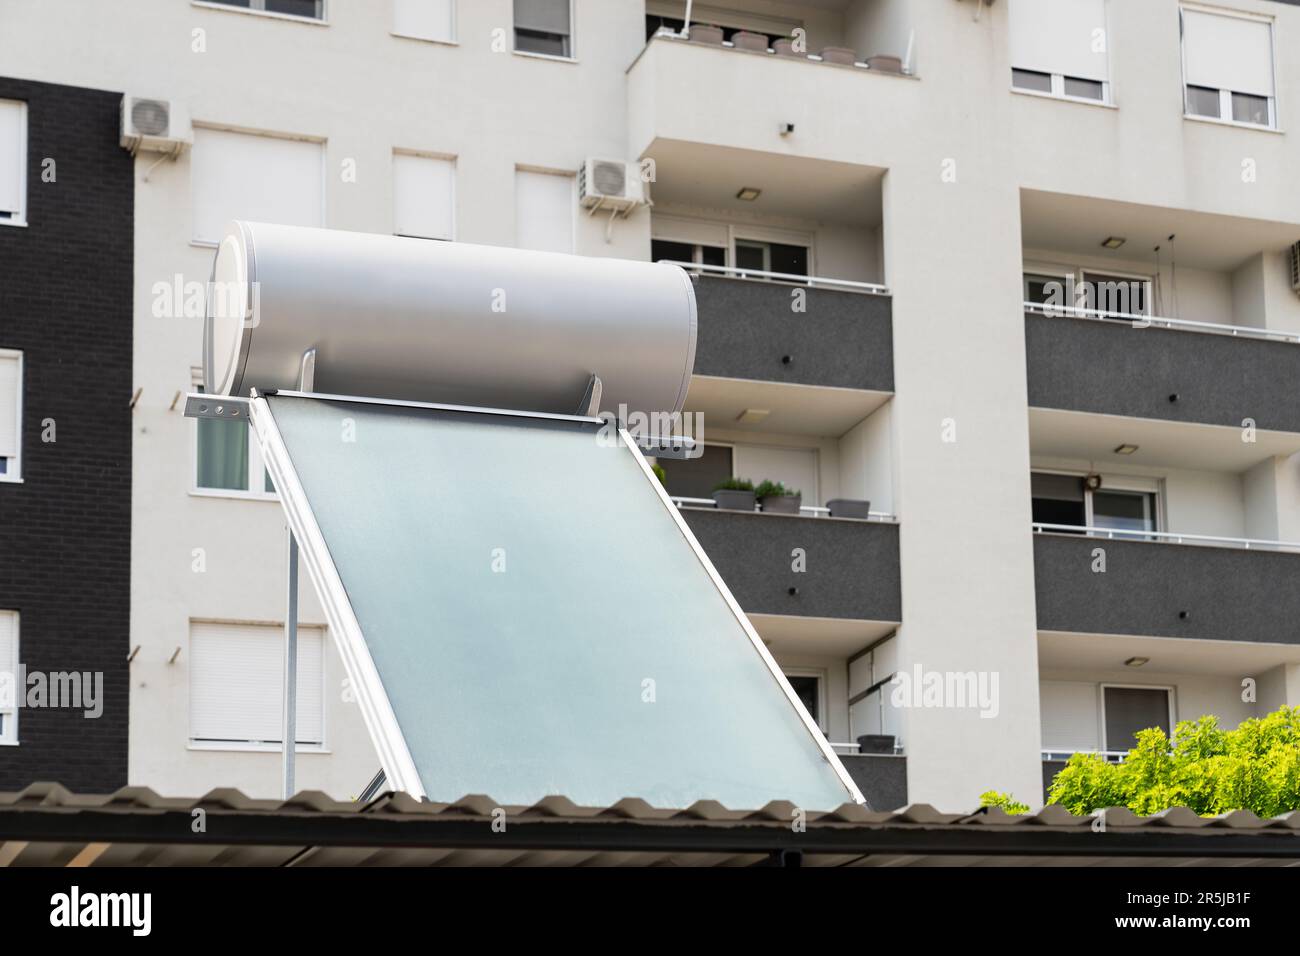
(662, 475)
(1255, 767)
(774, 489)
(734, 484)
(991, 798)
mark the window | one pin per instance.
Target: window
(228, 461)
(10, 686)
(260, 178)
(11, 415)
(1228, 67)
(1118, 295)
(237, 686)
(544, 26)
(1045, 290)
(309, 9)
(807, 686)
(696, 477)
(661, 249)
(1059, 48)
(544, 205)
(771, 257)
(1119, 504)
(1128, 710)
(424, 196)
(13, 163)
(425, 19)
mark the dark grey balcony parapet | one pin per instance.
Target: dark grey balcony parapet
(850, 566)
(1167, 586)
(831, 335)
(1168, 369)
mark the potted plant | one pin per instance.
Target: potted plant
(876, 744)
(839, 54)
(662, 475)
(776, 498)
(885, 63)
(734, 494)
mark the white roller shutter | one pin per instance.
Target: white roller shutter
(423, 196)
(259, 178)
(544, 16)
(1228, 53)
(1060, 36)
(10, 400)
(13, 159)
(424, 19)
(236, 682)
(544, 207)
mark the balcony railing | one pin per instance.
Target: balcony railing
(838, 56)
(815, 282)
(1139, 321)
(1168, 537)
(1111, 756)
(805, 511)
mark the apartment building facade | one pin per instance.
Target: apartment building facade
(905, 219)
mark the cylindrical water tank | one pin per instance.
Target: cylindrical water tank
(446, 322)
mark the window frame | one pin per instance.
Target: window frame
(818, 674)
(9, 728)
(1057, 91)
(24, 146)
(251, 746)
(1225, 117)
(454, 40)
(1079, 275)
(570, 57)
(254, 460)
(321, 21)
(1170, 690)
(1120, 483)
(13, 474)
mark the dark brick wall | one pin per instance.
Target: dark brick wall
(65, 532)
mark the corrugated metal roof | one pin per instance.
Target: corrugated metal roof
(45, 824)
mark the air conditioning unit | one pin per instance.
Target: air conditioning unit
(610, 184)
(1295, 268)
(154, 125)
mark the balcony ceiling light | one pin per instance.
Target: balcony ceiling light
(1137, 661)
(1113, 242)
(748, 193)
(1125, 449)
(752, 416)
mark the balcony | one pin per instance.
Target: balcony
(1165, 585)
(852, 570)
(1163, 369)
(882, 778)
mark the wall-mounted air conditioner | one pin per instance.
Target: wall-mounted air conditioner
(610, 184)
(1295, 268)
(154, 125)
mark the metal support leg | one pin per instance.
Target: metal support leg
(290, 728)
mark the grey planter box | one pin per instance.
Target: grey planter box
(706, 34)
(744, 40)
(839, 54)
(734, 500)
(876, 743)
(849, 508)
(886, 64)
(785, 47)
(781, 504)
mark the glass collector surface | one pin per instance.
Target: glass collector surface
(538, 621)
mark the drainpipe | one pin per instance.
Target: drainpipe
(686, 27)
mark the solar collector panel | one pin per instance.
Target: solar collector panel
(537, 617)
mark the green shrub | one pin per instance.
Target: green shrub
(662, 475)
(773, 489)
(734, 484)
(1255, 767)
(991, 798)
